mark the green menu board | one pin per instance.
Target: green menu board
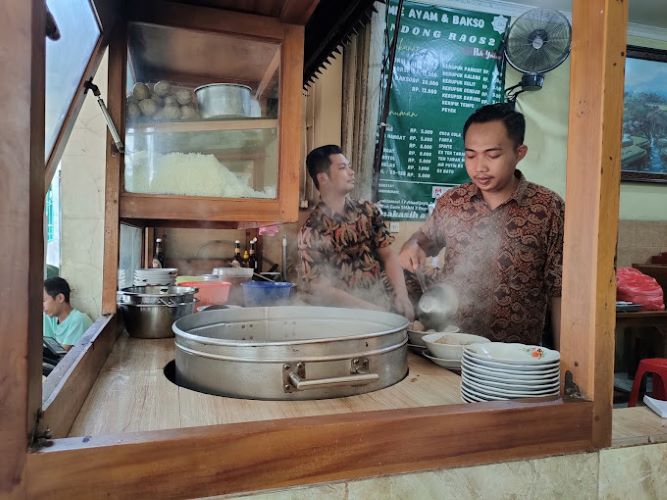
(445, 68)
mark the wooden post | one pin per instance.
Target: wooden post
(592, 197)
(115, 97)
(22, 31)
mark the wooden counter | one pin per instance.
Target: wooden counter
(637, 425)
(132, 394)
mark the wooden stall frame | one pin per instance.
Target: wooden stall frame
(22, 29)
(67, 387)
(280, 453)
(597, 67)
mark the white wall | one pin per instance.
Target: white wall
(82, 195)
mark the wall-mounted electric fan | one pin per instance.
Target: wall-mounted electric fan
(537, 42)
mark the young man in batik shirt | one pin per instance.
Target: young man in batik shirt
(503, 236)
(344, 246)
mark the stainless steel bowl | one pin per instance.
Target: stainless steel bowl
(224, 100)
(149, 311)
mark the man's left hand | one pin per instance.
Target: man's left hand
(404, 307)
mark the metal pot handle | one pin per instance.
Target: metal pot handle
(301, 384)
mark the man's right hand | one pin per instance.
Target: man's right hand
(412, 256)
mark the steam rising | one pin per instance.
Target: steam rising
(472, 269)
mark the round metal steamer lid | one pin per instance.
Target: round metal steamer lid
(283, 334)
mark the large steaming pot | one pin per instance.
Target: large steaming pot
(290, 353)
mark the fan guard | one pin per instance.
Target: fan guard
(537, 42)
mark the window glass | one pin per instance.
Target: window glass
(66, 60)
(53, 224)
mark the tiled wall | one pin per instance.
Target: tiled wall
(639, 240)
(636, 472)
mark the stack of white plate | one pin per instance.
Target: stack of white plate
(155, 276)
(122, 279)
(498, 371)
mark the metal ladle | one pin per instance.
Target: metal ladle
(437, 307)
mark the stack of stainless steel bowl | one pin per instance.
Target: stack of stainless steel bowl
(149, 311)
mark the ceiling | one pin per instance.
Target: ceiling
(647, 12)
(289, 11)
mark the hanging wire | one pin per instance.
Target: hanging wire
(384, 110)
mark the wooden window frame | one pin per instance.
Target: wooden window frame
(229, 458)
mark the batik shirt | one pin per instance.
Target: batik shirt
(504, 263)
(342, 249)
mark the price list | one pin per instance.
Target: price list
(445, 68)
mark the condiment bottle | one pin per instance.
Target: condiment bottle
(252, 259)
(158, 254)
(237, 252)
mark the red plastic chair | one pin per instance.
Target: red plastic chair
(658, 368)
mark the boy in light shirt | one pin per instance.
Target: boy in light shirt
(61, 321)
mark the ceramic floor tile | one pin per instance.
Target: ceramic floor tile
(638, 472)
(571, 477)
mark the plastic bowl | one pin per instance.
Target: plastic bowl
(234, 275)
(210, 292)
(449, 346)
(266, 293)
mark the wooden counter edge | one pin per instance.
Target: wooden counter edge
(233, 458)
(67, 387)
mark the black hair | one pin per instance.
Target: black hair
(514, 122)
(56, 285)
(318, 161)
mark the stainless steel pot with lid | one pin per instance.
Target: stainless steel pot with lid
(290, 352)
(224, 100)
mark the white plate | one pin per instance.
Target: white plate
(492, 391)
(499, 388)
(510, 367)
(169, 270)
(445, 363)
(470, 399)
(509, 381)
(485, 397)
(501, 374)
(521, 354)
(470, 392)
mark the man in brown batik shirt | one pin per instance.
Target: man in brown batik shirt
(503, 236)
(344, 246)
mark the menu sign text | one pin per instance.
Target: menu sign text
(446, 66)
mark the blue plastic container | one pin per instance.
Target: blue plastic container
(266, 293)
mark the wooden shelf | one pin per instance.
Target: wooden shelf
(203, 125)
(201, 211)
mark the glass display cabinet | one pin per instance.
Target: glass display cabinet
(211, 114)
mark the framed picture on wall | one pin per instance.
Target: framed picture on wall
(644, 146)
